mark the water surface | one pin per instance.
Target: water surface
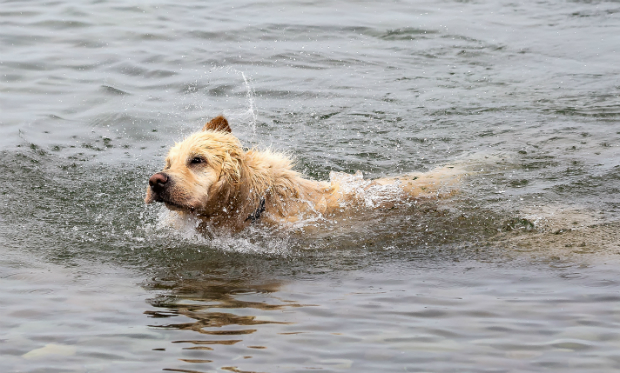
(517, 273)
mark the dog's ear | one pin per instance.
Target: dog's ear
(218, 123)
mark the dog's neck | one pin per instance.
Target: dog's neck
(267, 185)
(245, 198)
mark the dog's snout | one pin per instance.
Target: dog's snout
(158, 181)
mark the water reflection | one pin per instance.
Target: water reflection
(222, 312)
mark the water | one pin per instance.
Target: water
(516, 273)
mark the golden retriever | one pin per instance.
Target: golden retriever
(210, 175)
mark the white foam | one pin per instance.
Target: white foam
(254, 239)
(371, 196)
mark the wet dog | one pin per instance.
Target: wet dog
(210, 175)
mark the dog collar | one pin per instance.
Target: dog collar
(257, 213)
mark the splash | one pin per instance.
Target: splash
(253, 240)
(251, 102)
(371, 196)
(251, 113)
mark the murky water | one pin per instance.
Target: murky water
(517, 273)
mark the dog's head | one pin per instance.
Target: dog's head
(200, 171)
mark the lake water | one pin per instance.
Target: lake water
(519, 272)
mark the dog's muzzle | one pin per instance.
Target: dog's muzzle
(159, 182)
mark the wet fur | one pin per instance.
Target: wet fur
(228, 186)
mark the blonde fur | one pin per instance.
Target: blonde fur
(210, 175)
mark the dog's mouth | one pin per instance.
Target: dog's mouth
(157, 197)
(175, 199)
(176, 207)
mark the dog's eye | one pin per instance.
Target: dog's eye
(197, 160)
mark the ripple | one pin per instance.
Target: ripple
(114, 91)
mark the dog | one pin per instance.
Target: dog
(209, 175)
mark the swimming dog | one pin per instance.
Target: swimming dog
(211, 176)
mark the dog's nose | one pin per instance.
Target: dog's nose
(158, 181)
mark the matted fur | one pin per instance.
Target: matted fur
(210, 175)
